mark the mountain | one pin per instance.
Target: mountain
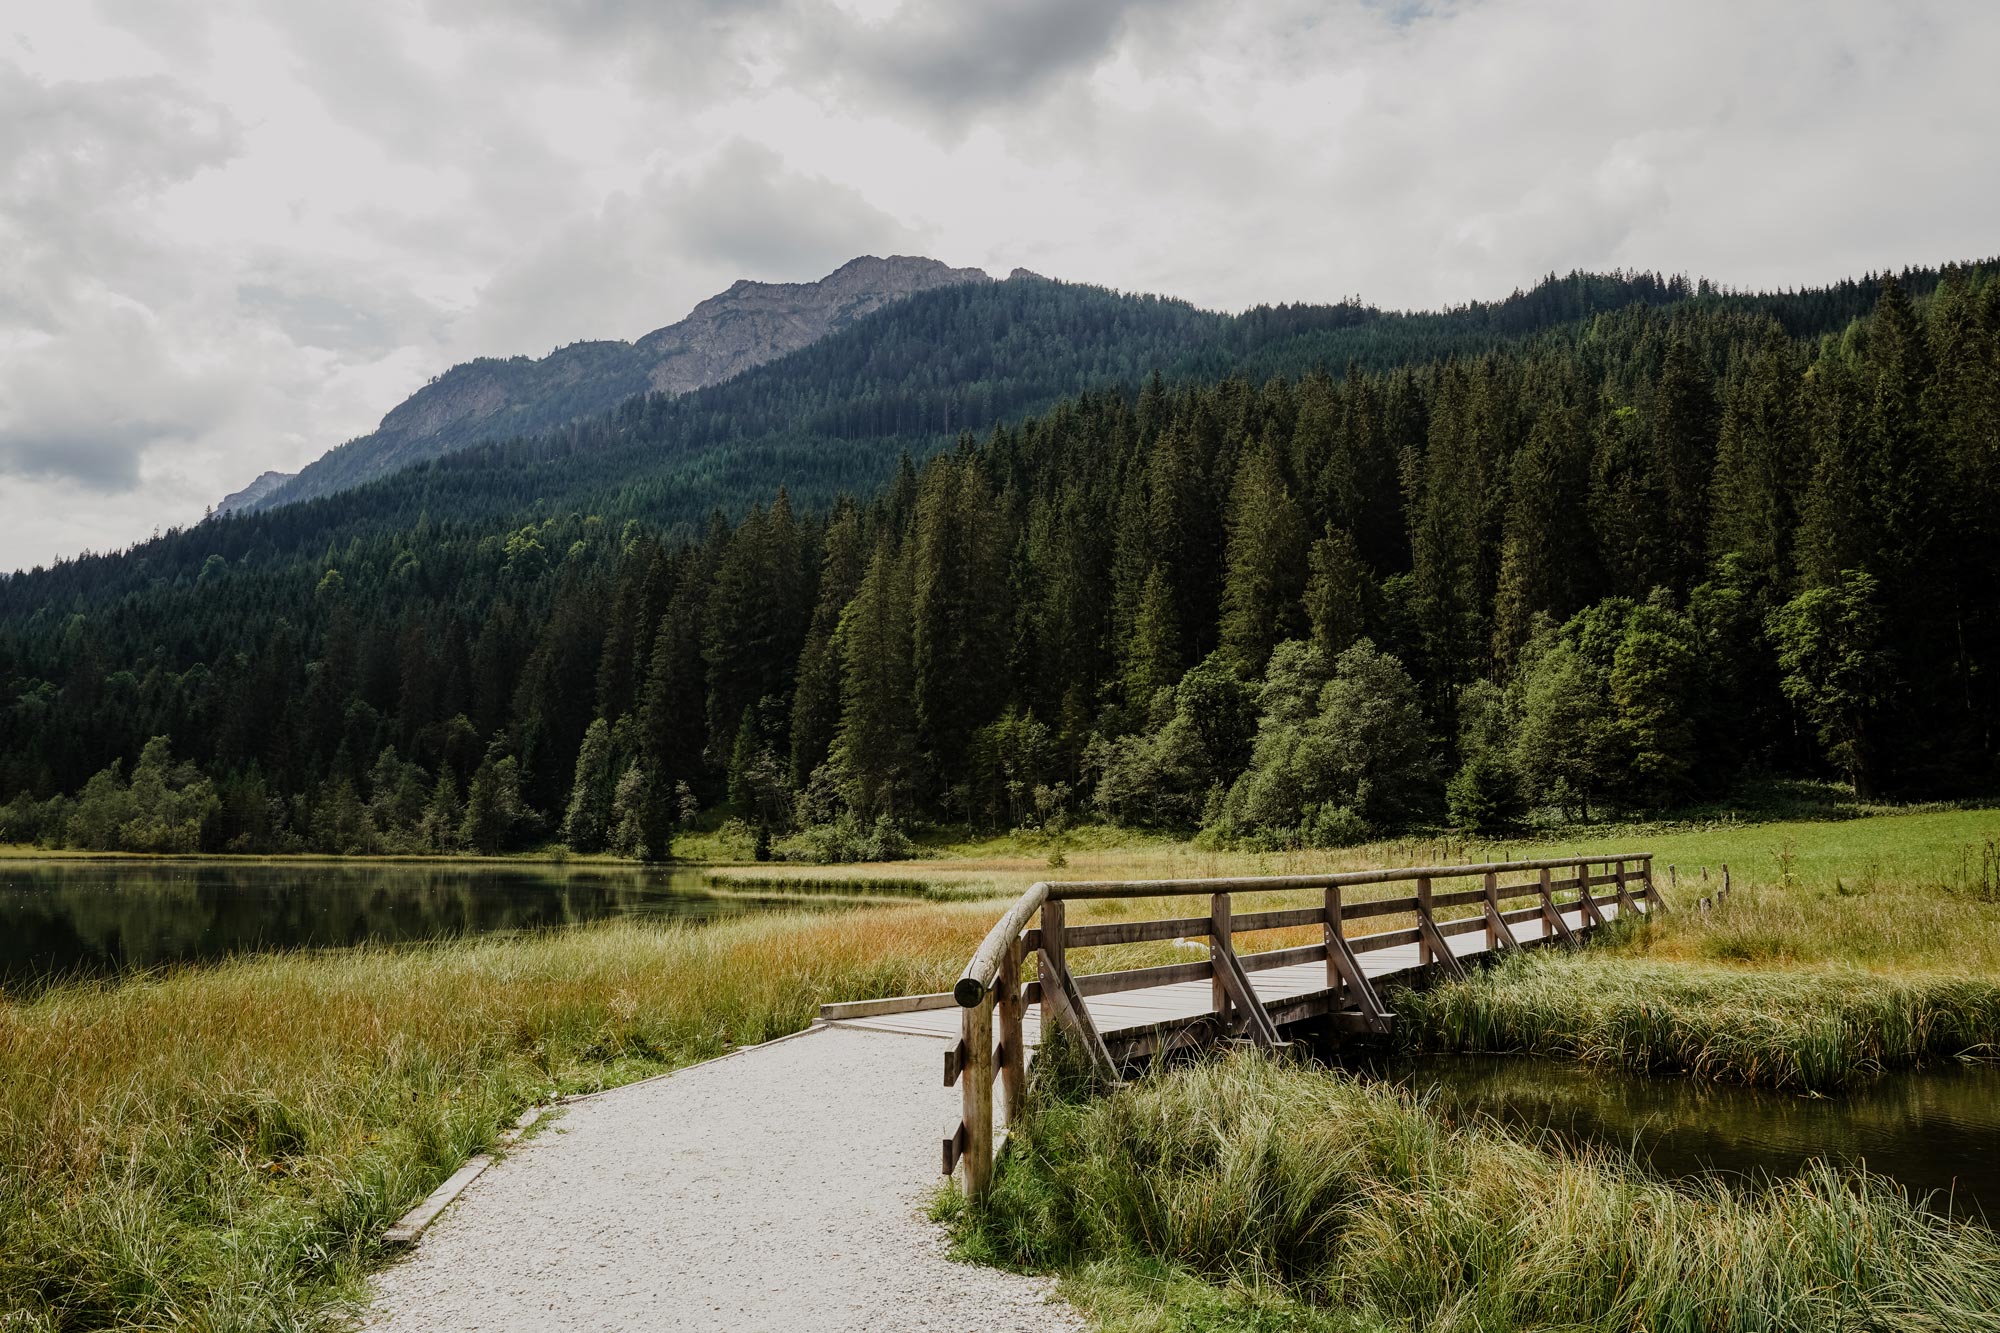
(252, 495)
(493, 399)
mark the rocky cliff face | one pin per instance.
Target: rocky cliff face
(492, 399)
(250, 495)
(755, 322)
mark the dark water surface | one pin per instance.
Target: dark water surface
(1935, 1131)
(97, 918)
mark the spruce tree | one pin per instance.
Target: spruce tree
(1266, 565)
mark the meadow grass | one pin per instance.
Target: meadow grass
(1247, 1194)
(219, 1148)
(1814, 1031)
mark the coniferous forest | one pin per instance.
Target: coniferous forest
(1295, 577)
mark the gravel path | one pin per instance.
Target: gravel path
(782, 1188)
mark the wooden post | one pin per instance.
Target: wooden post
(1655, 903)
(977, 1093)
(1425, 954)
(1587, 898)
(1725, 879)
(1558, 929)
(1625, 903)
(1492, 911)
(1334, 980)
(1673, 879)
(1055, 959)
(1219, 942)
(1060, 1000)
(1013, 1047)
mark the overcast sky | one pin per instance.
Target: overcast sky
(234, 234)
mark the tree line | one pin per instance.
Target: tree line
(1617, 569)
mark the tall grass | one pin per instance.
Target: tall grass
(1245, 1194)
(1807, 1030)
(219, 1148)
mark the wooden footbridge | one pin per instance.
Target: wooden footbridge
(1334, 983)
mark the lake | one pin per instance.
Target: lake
(99, 918)
(1935, 1131)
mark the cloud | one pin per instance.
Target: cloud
(954, 61)
(234, 233)
(91, 378)
(646, 257)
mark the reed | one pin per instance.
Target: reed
(1812, 1031)
(219, 1148)
(1245, 1194)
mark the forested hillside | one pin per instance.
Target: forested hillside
(1612, 544)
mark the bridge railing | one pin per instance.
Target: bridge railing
(993, 998)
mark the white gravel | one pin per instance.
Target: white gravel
(780, 1188)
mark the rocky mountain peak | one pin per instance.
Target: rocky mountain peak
(743, 326)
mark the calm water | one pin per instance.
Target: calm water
(100, 918)
(1933, 1131)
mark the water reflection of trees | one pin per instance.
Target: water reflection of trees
(60, 919)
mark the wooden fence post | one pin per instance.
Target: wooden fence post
(1558, 929)
(1013, 1046)
(1334, 979)
(1625, 903)
(1652, 890)
(1592, 915)
(1219, 940)
(977, 1093)
(1425, 954)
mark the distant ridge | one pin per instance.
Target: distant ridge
(492, 399)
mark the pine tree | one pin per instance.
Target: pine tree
(1761, 470)
(1339, 594)
(816, 697)
(1545, 556)
(1153, 655)
(876, 749)
(958, 615)
(588, 819)
(1266, 564)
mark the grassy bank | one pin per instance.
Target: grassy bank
(1249, 1195)
(218, 1148)
(1807, 1030)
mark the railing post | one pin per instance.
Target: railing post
(1013, 1048)
(1425, 954)
(1625, 904)
(1657, 903)
(1219, 941)
(1556, 928)
(977, 1093)
(1492, 912)
(1334, 979)
(1591, 914)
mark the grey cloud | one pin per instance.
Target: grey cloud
(749, 211)
(91, 379)
(679, 50)
(85, 407)
(645, 258)
(955, 60)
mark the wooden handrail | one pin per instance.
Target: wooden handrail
(1187, 888)
(993, 998)
(976, 982)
